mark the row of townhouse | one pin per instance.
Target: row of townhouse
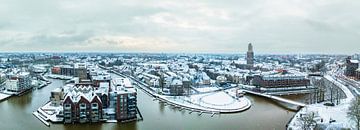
(85, 103)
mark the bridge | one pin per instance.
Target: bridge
(276, 98)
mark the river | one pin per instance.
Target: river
(16, 114)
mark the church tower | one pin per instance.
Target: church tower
(250, 56)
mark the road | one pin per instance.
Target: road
(353, 86)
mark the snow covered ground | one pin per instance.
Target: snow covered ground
(206, 89)
(201, 102)
(327, 113)
(349, 95)
(215, 102)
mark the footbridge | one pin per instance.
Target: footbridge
(276, 98)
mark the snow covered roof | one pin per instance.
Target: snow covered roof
(205, 76)
(64, 66)
(176, 82)
(75, 93)
(172, 74)
(291, 74)
(80, 65)
(102, 76)
(123, 90)
(124, 82)
(240, 61)
(150, 76)
(24, 73)
(185, 79)
(354, 61)
(358, 69)
(56, 90)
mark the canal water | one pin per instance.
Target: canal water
(16, 114)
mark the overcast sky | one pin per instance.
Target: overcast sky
(273, 26)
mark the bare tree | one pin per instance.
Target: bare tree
(308, 121)
(354, 111)
(320, 90)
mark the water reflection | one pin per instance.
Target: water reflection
(161, 108)
(21, 102)
(125, 126)
(88, 126)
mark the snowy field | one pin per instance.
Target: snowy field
(216, 101)
(209, 102)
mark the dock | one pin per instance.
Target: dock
(37, 115)
(4, 96)
(141, 117)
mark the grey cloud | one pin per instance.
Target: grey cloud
(285, 26)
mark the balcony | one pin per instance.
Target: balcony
(67, 115)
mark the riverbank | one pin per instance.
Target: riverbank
(213, 102)
(333, 117)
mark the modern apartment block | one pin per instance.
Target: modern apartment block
(76, 70)
(19, 82)
(80, 70)
(67, 70)
(126, 99)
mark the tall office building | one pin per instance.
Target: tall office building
(250, 56)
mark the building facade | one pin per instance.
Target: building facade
(357, 74)
(80, 71)
(176, 87)
(19, 82)
(351, 67)
(125, 96)
(67, 70)
(280, 80)
(57, 95)
(126, 105)
(81, 105)
(56, 70)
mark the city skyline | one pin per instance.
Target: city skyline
(282, 27)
